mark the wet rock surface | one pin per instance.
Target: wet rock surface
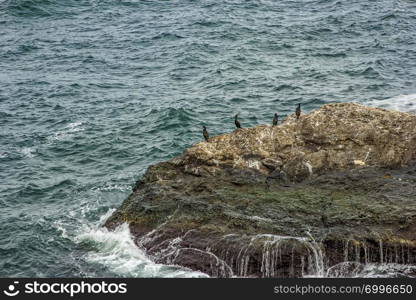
(338, 185)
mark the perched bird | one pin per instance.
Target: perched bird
(237, 123)
(275, 119)
(205, 133)
(298, 111)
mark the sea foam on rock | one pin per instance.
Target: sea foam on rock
(337, 185)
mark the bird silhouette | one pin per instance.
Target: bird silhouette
(205, 133)
(275, 119)
(298, 111)
(237, 123)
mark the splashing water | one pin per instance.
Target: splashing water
(404, 103)
(117, 251)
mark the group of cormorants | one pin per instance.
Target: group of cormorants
(238, 124)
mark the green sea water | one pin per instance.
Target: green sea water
(94, 91)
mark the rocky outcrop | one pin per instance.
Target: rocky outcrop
(300, 198)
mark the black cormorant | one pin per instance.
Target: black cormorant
(205, 133)
(298, 111)
(275, 119)
(237, 123)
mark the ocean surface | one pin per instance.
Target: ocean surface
(94, 91)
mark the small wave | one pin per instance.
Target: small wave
(205, 23)
(389, 16)
(170, 118)
(329, 54)
(58, 107)
(36, 8)
(32, 189)
(167, 36)
(403, 103)
(68, 130)
(27, 48)
(72, 126)
(28, 152)
(238, 99)
(4, 114)
(285, 87)
(117, 251)
(27, 7)
(368, 72)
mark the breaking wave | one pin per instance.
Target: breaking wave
(404, 103)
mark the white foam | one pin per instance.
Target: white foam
(68, 130)
(404, 103)
(114, 250)
(117, 251)
(62, 229)
(112, 187)
(28, 152)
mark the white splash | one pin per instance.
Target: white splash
(68, 130)
(28, 152)
(111, 187)
(117, 251)
(404, 103)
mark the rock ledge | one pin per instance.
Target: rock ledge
(337, 185)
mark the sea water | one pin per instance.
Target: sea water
(94, 91)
